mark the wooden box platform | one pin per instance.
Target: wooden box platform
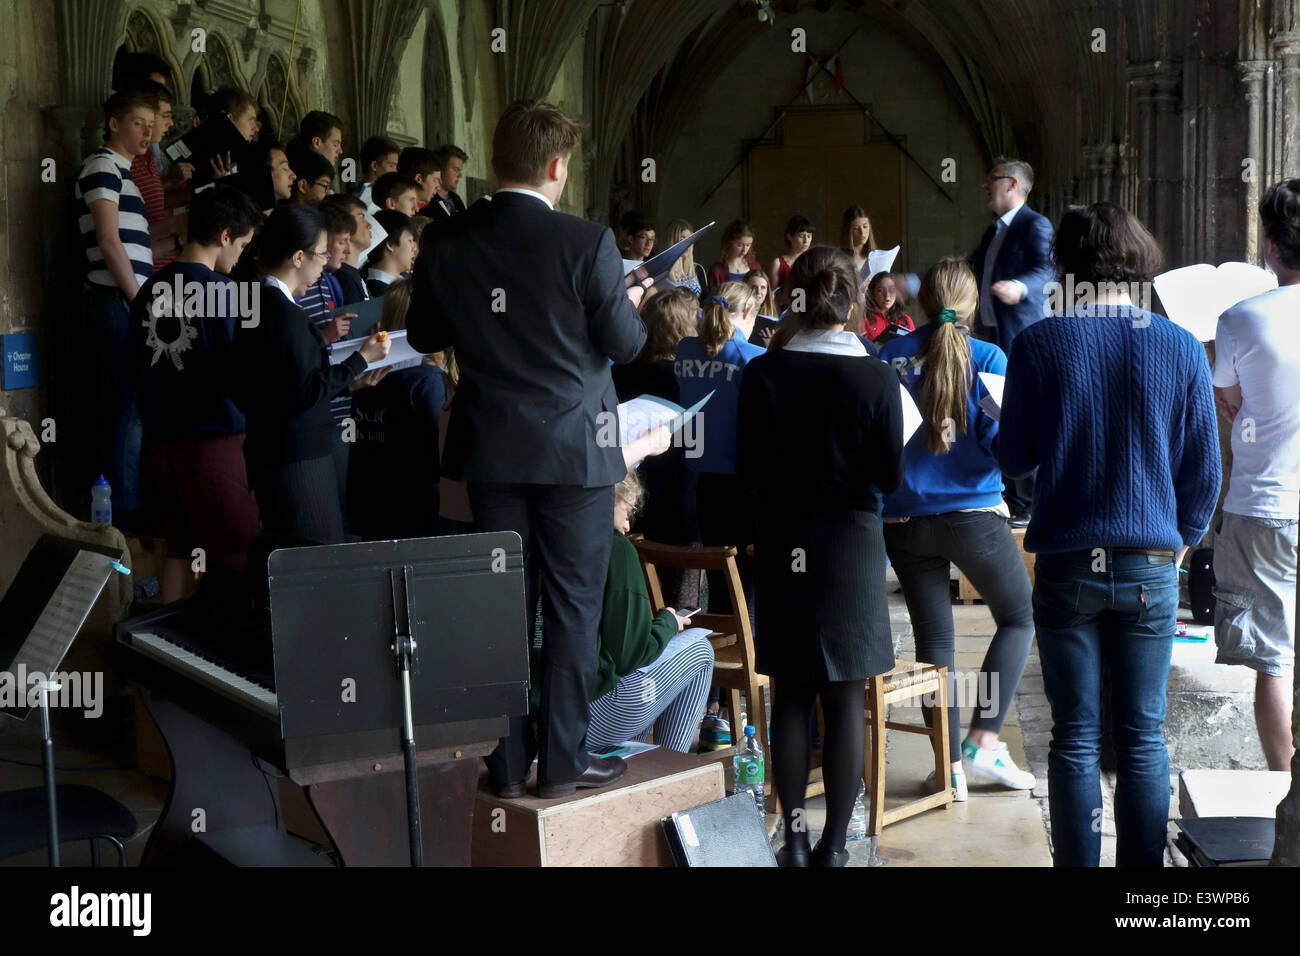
(966, 592)
(615, 826)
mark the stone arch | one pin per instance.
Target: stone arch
(271, 95)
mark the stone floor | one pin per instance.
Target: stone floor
(994, 827)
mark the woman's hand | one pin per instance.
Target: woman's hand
(376, 347)
(682, 622)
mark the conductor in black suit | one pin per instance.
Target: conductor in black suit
(535, 304)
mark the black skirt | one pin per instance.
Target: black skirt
(821, 609)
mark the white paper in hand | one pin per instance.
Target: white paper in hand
(911, 414)
(399, 352)
(1195, 296)
(880, 260)
(992, 402)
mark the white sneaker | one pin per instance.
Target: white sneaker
(958, 784)
(994, 766)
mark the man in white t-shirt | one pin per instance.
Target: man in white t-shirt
(1257, 388)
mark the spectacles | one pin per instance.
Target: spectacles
(323, 255)
(323, 185)
(992, 179)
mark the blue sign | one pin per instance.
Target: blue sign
(19, 352)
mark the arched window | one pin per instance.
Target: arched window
(272, 99)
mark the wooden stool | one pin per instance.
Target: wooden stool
(909, 680)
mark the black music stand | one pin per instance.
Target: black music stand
(40, 616)
(375, 638)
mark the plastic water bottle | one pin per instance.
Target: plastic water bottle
(749, 768)
(101, 501)
(858, 818)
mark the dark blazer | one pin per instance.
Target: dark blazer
(437, 209)
(286, 383)
(1026, 256)
(535, 305)
(819, 432)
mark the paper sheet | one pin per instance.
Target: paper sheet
(911, 414)
(880, 260)
(398, 352)
(68, 608)
(992, 402)
(1195, 296)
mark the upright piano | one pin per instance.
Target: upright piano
(208, 668)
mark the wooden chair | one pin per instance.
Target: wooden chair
(731, 637)
(908, 681)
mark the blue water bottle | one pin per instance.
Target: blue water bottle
(101, 501)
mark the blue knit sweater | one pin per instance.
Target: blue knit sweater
(1114, 408)
(967, 476)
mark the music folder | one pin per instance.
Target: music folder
(368, 313)
(1227, 841)
(658, 265)
(727, 832)
(216, 137)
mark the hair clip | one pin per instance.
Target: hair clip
(947, 315)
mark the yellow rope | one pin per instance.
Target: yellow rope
(288, 70)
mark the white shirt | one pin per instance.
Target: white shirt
(527, 192)
(387, 278)
(288, 293)
(1257, 346)
(827, 342)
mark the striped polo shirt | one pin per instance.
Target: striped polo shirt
(107, 175)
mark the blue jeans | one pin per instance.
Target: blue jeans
(120, 431)
(1093, 609)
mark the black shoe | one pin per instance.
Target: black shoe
(824, 856)
(600, 772)
(1020, 521)
(509, 791)
(792, 856)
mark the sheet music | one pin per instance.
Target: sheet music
(66, 611)
(880, 260)
(1195, 296)
(398, 353)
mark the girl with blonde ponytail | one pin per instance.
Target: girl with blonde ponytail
(949, 510)
(714, 361)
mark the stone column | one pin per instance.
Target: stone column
(1100, 163)
(1252, 77)
(1157, 143)
(1286, 47)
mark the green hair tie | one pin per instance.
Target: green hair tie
(947, 315)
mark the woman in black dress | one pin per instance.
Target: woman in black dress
(820, 437)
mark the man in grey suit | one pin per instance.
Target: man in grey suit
(535, 304)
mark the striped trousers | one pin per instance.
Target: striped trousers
(668, 694)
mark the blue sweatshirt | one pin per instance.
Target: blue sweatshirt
(968, 476)
(1114, 408)
(699, 373)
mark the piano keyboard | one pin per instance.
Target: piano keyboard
(205, 672)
